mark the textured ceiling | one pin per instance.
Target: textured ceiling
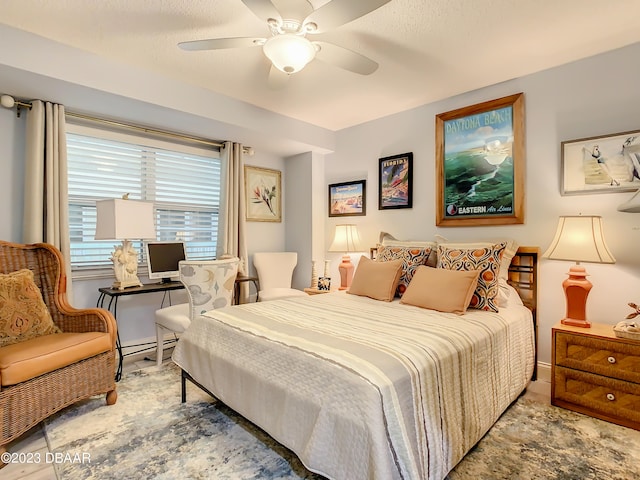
(427, 49)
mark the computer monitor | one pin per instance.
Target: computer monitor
(163, 258)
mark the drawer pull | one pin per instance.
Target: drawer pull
(611, 397)
(612, 360)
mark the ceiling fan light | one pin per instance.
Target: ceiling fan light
(288, 52)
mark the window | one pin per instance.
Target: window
(183, 182)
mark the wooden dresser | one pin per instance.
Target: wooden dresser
(596, 373)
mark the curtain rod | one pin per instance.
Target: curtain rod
(138, 128)
(9, 102)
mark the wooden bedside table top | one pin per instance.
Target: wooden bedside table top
(597, 330)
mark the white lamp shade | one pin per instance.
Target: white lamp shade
(289, 53)
(579, 239)
(632, 205)
(119, 219)
(346, 239)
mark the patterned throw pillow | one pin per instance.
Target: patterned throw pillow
(23, 313)
(412, 258)
(486, 260)
(508, 254)
(389, 240)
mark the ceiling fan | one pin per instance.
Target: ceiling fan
(288, 48)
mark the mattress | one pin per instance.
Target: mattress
(363, 389)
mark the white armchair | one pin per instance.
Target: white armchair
(209, 285)
(275, 271)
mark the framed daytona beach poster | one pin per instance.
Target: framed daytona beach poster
(480, 164)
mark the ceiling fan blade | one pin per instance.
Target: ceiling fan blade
(222, 43)
(345, 58)
(277, 78)
(263, 9)
(339, 12)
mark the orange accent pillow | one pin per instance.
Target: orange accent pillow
(442, 290)
(377, 280)
(23, 313)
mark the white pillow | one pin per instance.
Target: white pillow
(507, 295)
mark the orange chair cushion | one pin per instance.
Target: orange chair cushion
(26, 360)
(23, 313)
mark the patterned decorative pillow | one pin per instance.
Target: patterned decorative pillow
(412, 257)
(389, 240)
(508, 254)
(23, 313)
(485, 259)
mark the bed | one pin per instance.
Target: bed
(362, 389)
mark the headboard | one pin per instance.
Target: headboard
(523, 276)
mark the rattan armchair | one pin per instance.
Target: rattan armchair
(31, 400)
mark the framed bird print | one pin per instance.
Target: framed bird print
(603, 164)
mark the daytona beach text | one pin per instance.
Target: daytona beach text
(474, 122)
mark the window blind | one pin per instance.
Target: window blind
(183, 182)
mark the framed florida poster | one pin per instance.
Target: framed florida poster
(395, 182)
(480, 164)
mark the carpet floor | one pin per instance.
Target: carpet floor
(148, 433)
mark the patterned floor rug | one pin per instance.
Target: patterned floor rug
(150, 434)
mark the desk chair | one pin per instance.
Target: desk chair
(275, 271)
(209, 285)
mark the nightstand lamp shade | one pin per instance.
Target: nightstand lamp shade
(120, 219)
(346, 239)
(578, 239)
(632, 205)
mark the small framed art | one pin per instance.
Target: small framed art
(395, 182)
(348, 199)
(263, 194)
(324, 284)
(603, 164)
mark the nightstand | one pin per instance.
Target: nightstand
(596, 373)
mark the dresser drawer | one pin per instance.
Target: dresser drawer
(600, 396)
(617, 359)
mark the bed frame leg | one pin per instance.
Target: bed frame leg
(184, 386)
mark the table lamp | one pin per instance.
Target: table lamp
(123, 219)
(578, 239)
(632, 205)
(346, 239)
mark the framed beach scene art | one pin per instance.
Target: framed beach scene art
(602, 164)
(263, 194)
(348, 199)
(480, 164)
(395, 178)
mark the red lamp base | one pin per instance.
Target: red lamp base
(346, 272)
(576, 323)
(576, 290)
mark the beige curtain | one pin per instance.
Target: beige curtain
(46, 206)
(232, 220)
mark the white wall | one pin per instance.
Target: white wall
(592, 97)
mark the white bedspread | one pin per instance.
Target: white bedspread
(362, 389)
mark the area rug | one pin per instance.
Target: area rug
(148, 434)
